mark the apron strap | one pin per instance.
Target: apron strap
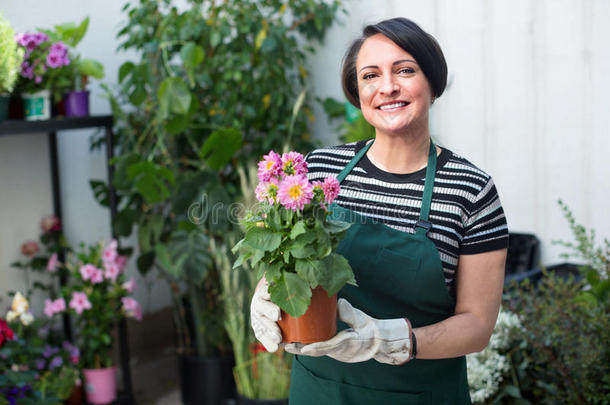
(423, 225)
(353, 162)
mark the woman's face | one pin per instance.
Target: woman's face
(395, 95)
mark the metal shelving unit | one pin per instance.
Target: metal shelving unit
(51, 127)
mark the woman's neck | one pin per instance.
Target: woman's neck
(400, 153)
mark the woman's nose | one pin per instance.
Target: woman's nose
(388, 85)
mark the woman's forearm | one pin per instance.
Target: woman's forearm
(455, 336)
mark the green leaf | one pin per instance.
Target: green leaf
(309, 270)
(178, 124)
(298, 229)
(125, 70)
(220, 147)
(271, 271)
(152, 181)
(124, 221)
(90, 67)
(269, 44)
(138, 95)
(302, 251)
(263, 239)
(332, 226)
(337, 272)
(291, 293)
(192, 55)
(174, 95)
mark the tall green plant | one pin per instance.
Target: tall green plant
(215, 85)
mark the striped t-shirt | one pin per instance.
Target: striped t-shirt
(466, 214)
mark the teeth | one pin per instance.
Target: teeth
(390, 106)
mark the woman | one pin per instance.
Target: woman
(427, 244)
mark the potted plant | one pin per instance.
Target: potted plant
(71, 85)
(10, 63)
(291, 242)
(97, 297)
(40, 72)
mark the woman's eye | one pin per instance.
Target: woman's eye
(368, 76)
(407, 70)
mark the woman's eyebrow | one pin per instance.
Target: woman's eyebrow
(398, 62)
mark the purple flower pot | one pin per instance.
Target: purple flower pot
(76, 103)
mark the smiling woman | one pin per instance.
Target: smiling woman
(427, 244)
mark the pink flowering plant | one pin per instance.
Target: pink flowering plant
(289, 238)
(98, 296)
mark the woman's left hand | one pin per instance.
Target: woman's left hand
(385, 340)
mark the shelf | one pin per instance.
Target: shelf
(14, 127)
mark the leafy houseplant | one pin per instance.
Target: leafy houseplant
(214, 84)
(71, 84)
(258, 374)
(288, 237)
(10, 63)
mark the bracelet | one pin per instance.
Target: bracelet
(414, 340)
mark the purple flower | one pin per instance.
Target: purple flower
(38, 79)
(40, 363)
(40, 38)
(49, 351)
(27, 71)
(56, 362)
(59, 48)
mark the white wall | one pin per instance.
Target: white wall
(527, 101)
(25, 189)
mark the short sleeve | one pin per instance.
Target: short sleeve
(485, 228)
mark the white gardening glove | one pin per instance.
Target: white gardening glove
(385, 340)
(263, 317)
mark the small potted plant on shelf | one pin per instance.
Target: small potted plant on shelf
(40, 72)
(10, 63)
(98, 297)
(291, 242)
(71, 86)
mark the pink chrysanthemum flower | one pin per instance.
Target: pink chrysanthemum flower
(293, 163)
(294, 192)
(59, 305)
(267, 191)
(269, 167)
(80, 302)
(331, 189)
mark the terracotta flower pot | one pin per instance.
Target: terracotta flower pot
(319, 323)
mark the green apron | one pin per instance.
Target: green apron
(398, 275)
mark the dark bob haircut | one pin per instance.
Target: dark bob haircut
(410, 37)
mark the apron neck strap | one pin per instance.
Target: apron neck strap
(422, 225)
(353, 162)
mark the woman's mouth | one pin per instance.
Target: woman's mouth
(390, 107)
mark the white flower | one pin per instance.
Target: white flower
(11, 316)
(20, 304)
(26, 318)
(486, 369)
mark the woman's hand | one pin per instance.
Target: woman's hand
(385, 340)
(264, 315)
